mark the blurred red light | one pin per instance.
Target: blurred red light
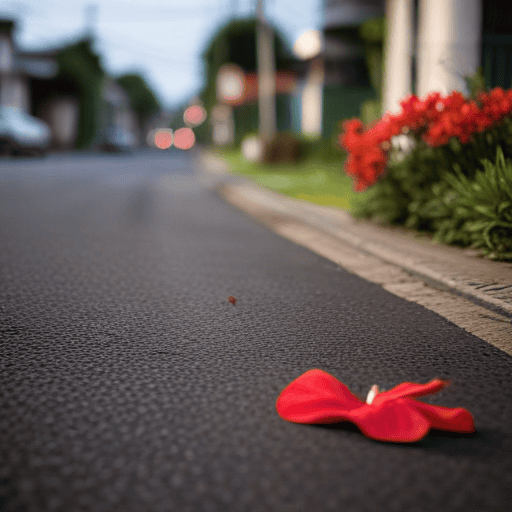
(163, 138)
(184, 138)
(194, 115)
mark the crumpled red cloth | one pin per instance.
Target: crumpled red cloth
(395, 416)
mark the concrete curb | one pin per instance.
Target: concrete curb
(460, 271)
(362, 236)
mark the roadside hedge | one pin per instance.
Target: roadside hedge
(441, 165)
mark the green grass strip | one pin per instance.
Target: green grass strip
(313, 180)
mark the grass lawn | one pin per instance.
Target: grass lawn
(313, 180)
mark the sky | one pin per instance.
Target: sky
(161, 39)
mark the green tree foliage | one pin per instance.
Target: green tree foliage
(80, 66)
(477, 211)
(143, 101)
(236, 43)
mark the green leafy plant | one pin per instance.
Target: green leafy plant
(400, 197)
(143, 101)
(80, 69)
(478, 211)
(404, 166)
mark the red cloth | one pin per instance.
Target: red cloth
(394, 415)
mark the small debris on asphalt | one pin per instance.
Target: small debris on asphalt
(232, 299)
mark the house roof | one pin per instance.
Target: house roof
(35, 66)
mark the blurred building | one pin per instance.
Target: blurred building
(376, 52)
(230, 94)
(18, 69)
(118, 124)
(67, 88)
(344, 51)
(496, 57)
(433, 45)
(347, 75)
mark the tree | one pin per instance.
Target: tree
(236, 43)
(143, 101)
(81, 69)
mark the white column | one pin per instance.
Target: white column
(449, 40)
(311, 120)
(398, 49)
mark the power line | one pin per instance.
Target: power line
(151, 6)
(163, 17)
(129, 12)
(91, 17)
(112, 44)
(137, 44)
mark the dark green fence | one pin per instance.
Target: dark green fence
(341, 103)
(246, 117)
(497, 60)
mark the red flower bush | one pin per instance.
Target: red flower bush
(367, 154)
(434, 120)
(317, 397)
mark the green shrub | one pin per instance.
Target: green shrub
(371, 111)
(477, 211)
(286, 147)
(422, 168)
(413, 192)
(404, 194)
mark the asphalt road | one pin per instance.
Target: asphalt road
(128, 382)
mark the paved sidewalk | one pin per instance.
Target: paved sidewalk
(484, 283)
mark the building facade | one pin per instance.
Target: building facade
(18, 68)
(348, 82)
(433, 45)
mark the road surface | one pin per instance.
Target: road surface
(128, 381)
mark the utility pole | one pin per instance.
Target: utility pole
(90, 17)
(266, 76)
(234, 8)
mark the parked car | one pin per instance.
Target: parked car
(118, 140)
(22, 134)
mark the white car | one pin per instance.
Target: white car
(118, 140)
(21, 133)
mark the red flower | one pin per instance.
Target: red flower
(436, 135)
(384, 129)
(434, 118)
(497, 103)
(454, 101)
(353, 125)
(317, 397)
(412, 111)
(482, 122)
(366, 157)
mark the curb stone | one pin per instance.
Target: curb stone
(462, 272)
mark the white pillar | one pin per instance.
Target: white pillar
(311, 120)
(449, 44)
(398, 53)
